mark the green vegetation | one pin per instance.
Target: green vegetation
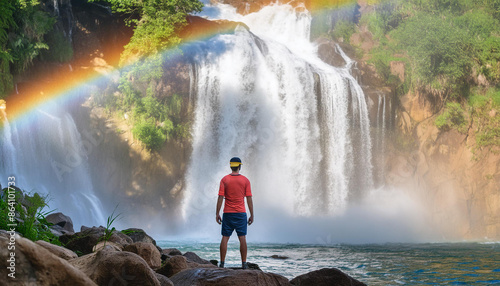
(451, 49)
(344, 30)
(26, 32)
(28, 214)
(108, 232)
(484, 110)
(453, 116)
(156, 23)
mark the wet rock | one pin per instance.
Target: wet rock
(327, 52)
(275, 256)
(34, 262)
(227, 277)
(164, 281)
(147, 251)
(325, 277)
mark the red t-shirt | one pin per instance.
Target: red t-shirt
(235, 188)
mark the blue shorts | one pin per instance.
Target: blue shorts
(232, 221)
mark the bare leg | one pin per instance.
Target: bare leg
(223, 248)
(243, 248)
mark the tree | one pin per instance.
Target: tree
(156, 24)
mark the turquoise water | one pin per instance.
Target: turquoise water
(377, 264)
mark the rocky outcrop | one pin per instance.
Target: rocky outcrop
(147, 251)
(59, 251)
(227, 277)
(326, 277)
(138, 235)
(34, 262)
(108, 267)
(178, 263)
(62, 224)
(85, 240)
(193, 257)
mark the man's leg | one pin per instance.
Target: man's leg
(243, 248)
(223, 249)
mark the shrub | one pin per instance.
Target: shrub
(31, 222)
(152, 137)
(344, 29)
(452, 117)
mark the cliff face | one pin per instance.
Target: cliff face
(457, 182)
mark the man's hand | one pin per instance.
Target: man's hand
(218, 219)
(250, 220)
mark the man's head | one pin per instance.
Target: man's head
(235, 164)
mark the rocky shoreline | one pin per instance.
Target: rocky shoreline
(98, 256)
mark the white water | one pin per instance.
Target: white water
(46, 154)
(306, 151)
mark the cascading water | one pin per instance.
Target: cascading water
(300, 125)
(46, 154)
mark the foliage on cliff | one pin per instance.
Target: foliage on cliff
(23, 25)
(451, 49)
(156, 23)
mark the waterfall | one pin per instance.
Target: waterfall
(46, 154)
(300, 126)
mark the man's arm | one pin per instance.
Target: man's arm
(250, 207)
(219, 205)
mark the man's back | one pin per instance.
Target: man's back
(235, 187)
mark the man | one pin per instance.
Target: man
(234, 188)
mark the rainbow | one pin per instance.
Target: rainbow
(62, 83)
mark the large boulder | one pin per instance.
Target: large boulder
(164, 281)
(57, 250)
(325, 277)
(178, 263)
(85, 240)
(63, 221)
(193, 257)
(138, 235)
(34, 262)
(227, 277)
(110, 267)
(147, 251)
(171, 251)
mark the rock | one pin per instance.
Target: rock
(164, 281)
(101, 244)
(327, 52)
(61, 220)
(171, 251)
(227, 277)
(110, 267)
(253, 266)
(325, 277)
(59, 251)
(193, 257)
(178, 263)
(275, 256)
(147, 251)
(214, 262)
(85, 240)
(173, 266)
(36, 263)
(138, 235)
